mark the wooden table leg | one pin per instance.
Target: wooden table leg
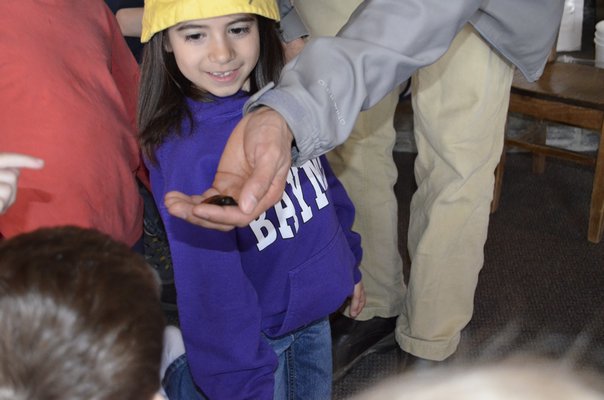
(596, 211)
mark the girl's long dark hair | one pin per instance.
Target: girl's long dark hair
(163, 88)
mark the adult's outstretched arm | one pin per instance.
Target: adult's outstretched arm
(319, 97)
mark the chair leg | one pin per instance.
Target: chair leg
(596, 211)
(498, 181)
(540, 137)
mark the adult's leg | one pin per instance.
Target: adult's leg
(367, 170)
(460, 105)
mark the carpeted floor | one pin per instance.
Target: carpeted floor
(541, 290)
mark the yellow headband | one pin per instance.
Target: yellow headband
(161, 14)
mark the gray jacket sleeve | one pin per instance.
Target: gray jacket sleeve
(291, 25)
(323, 90)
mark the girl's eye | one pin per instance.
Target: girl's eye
(193, 36)
(240, 30)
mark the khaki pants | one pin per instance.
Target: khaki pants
(366, 168)
(460, 106)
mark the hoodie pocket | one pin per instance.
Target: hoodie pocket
(320, 285)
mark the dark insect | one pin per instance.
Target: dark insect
(221, 200)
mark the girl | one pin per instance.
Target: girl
(253, 302)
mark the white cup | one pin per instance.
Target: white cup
(599, 45)
(599, 34)
(599, 53)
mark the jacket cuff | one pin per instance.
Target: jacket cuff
(292, 27)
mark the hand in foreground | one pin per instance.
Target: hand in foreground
(357, 302)
(252, 170)
(10, 164)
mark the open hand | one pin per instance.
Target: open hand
(252, 170)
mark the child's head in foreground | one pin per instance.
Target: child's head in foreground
(513, 379)
(80, 318)
(199, 49)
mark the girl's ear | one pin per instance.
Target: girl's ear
(167, 44)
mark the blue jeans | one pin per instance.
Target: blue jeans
(178, 382)
(305, 365)
(304, 371)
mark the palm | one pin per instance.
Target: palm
(252, 169)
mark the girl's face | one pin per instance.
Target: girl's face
(216, 54)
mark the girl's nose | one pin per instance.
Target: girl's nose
(221, 52)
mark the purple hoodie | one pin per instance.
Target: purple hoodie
(295, 264)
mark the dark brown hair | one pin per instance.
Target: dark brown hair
(80, 318)
(164, 89)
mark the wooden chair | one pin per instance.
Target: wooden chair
(571, 94)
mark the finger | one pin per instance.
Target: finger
(261, 191)
(242, 215)
(179, 204)
(358, 300)
(4, 204)
(354, 308)
(362, 301)
(234, 216)
(15, 160)
(175, 196)
(224, 217)
(7, 196)
(9, 175)
(265, 186)
(186, 212)
(182, 206)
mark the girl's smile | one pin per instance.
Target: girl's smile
(227, 76)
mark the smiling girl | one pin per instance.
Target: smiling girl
(253, 302)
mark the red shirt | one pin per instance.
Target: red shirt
(68, 87)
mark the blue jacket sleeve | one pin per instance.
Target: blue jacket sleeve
(220, 319)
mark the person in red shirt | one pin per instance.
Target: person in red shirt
(69, 89)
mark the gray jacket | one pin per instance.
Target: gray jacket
(322, 91)
(291, 25)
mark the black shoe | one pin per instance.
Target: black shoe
(409, 362)
(352, 340)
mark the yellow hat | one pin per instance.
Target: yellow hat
(161, 14)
